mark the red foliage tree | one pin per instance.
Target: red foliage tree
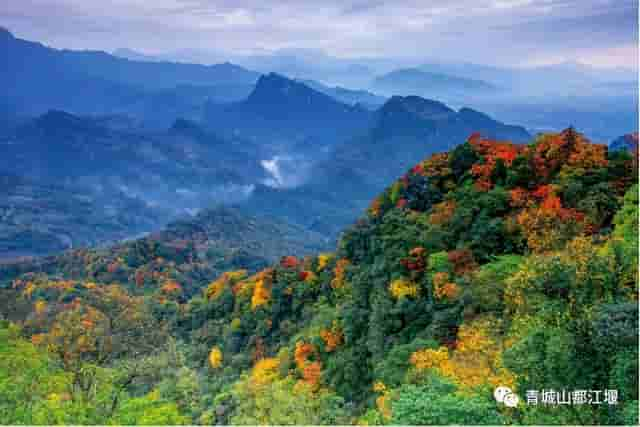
(289, 262)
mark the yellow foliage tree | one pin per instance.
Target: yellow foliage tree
(40, 307)
(323, 260)
(428, 358)
(383, 402)
(379, 387)
(215, 288)
(402, 288)
(229, 278)
(264, 372)
(477, 359)
(215, 358)
(261, 294)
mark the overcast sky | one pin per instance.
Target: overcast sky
(514, 32)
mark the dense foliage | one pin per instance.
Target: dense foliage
(494, 264)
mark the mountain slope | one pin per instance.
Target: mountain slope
(493, 264)
(452, 280)
(188, 250)
(39, 218)
(75, 163)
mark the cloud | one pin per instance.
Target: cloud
(485, 31)
(286, 171)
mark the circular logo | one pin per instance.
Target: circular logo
(500, 392)
(511, 400)
(505, 395)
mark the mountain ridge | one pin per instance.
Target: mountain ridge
(287, 115)
(96, 82)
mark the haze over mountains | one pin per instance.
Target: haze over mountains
(161, 140)
(419, 82)
(601, 101)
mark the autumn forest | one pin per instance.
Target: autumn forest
(492, 264)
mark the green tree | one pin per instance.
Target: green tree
(285, 402)
(439, 405)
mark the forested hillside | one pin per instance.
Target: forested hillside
(493, 264)
(187, 252)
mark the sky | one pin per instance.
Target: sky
(496, 32)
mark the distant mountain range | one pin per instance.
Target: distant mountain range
(287, 150)
(38, 78)
(343, 94)
(553, 77)
(625, 142)
(603, 102)
(413, 81)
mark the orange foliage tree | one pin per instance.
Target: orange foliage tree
(308, 363)
(442, 213)
(548, 225)
(339, 279)
(171, 287)
(443, 288)
(332, 337)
